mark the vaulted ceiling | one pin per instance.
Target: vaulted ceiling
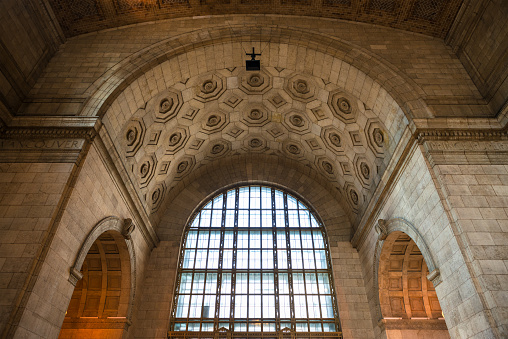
(431, 17)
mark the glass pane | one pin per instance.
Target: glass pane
(268, 283)
(268, 259)
(241, 327)
(313, 306)
(214, 239)
(225, 287)
(302, 327)
(293, 218)
(208, 205)
(304, 219)
(243, 218)
(205, 218)
(216, 218)
(255, 197)
(266, 197)
(329, 327)
(255, 327)
(254, 283)
(225, 306)
(306, 239)
(294, 239)
(209, 306)
(242, 260)
(227, 259)
(311, 283)
(213, 259)
(203, 239)
(318, 239)
(211, 283)
(266, 218)
(240, 306)
(279, 199)
(243, 199)
(280, 219)
(320, 259)
(308, 259)
(282, 260)
(298, 283)
(291, 202)
(185, 283)
(313, 222)
(194, 326)
(180, 327)
(296, 260)
(268, 306)
(281, 239)
(324, 283)
(255, 239)
(243, 239)
(182, 309)
(283, 283)
(300, 306)
(326, 306)
(267, 239)
(195, 306)
(230, 203)
(241, 283)
(201, 258)
(188, 259)
(230, 218)
(254, 306)
(217, 202)
(228, 239)
(195, 221)
(255, 259)
(315, 327)
(199, 282)
(255, 218)
(285, 306)
(269, 327)
(206, 327)
(192, 236)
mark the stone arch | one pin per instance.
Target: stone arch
(121, 227)
(404, 90)
(389, 232)
(288, 174)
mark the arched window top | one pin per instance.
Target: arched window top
(255, 259)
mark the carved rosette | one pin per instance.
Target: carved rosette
(255, 143)
(215, 122)
(156, 196)
(301, 88)
(218, 148)
(210, 87)
(293, 149)
(334, 139)
(184, 166)
(363, 171)
(327, 167)
(146, 170)
(167, 105)
(352, 196)
(297, 122)
(377, 137)
(256, 115)
(133, 136)
(177, 138)
(255, 82)
(343, 106)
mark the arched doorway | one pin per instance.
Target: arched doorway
(100, 302)
(408, 300)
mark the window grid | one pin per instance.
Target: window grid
(254, 258)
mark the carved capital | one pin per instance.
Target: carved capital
(435, 277)
(382, 229)
(128, 228)
(75, 276)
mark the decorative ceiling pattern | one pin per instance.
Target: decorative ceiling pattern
(273, 111)
(431, 17)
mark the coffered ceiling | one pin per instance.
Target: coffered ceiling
(431, 17)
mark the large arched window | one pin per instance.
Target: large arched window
(255, 259)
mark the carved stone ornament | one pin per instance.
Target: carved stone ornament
(293, 149)
(175, 138)
(255, 143)
(328, 167)
(382, 229)
(378, 136)
(213, 120)
(128, 228)
(435, 277)
(365, 170)
(131, 136)
(155, 196)
(165, 105)
(354, 196)
(296, 120)
(301, 86)
(182, 166)
(344, 105)
(255, 80)
(335, 139)
(255, 114)
(208, 86)
(75, 276)
(217, 148)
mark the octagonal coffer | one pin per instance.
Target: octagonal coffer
(343, 106)
(210, 87)
(176, 140)
(301, 88)
(145, 170)
(167, 105)
(255, 82)
(133, 137)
